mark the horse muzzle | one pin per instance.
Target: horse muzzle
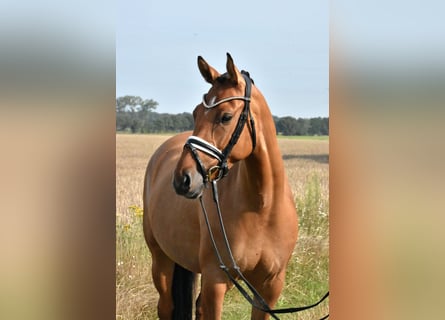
(188, 184)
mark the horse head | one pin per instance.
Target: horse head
(224, 129)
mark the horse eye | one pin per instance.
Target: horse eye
(226, 118)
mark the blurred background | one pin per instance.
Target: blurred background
(387, 149)
(57, 88)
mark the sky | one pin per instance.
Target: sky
(283, 44)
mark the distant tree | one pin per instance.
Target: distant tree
(133, 112)
(127, 103)
(302, 127)
(326, 126)
(137, 115)
(188, 120)
(319, 126)
(287, 126)
(148, 105)
(183, 121)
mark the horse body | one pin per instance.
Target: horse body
(171, 221)
(256, 204)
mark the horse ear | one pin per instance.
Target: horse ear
(209, 73)
(232, 70)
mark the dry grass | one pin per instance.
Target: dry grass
(306, 162)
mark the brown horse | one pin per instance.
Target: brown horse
(255, 198)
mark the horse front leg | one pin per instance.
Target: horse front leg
(270, 291)
(213, 289)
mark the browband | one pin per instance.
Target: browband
(214, 104)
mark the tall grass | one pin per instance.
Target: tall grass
(134, 290)
(307, 273)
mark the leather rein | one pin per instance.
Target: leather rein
(213, 175)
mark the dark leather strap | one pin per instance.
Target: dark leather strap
(256, 301)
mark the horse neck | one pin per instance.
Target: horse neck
(264, 167)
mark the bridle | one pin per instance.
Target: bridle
(195, 143)
(213, 175)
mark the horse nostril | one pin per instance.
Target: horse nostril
(186, 180)
(182, 183)
(188, 184)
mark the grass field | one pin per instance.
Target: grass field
(306, 161)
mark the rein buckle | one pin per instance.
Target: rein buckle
(215, 173)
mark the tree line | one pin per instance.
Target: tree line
(137, 115)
